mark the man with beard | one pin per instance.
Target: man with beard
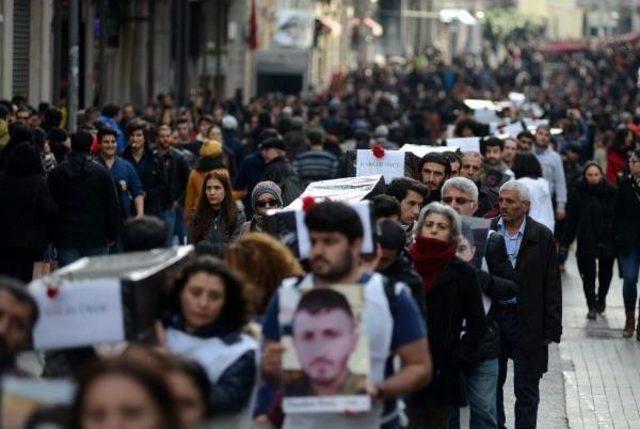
(18, 315)
(434, 169)
(411, 194)
(390, 319)
(471, 168)
(325, 335)
(496, 171)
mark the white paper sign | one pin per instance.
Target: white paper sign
(511, 130)
(466, 144)
(421, 150)
(363, 210)
(84, 312)
(391, 165)
(485, 116)
(347, 190)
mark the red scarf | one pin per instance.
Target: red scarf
(430, 256)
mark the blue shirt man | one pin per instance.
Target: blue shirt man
(392, 322)
(124, 175)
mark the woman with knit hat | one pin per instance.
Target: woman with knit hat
(210, 160)
(265, 196)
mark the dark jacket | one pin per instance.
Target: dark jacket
(219, 235)
(27, 212)
(539, 296)
(590, 219)
(454, 298)
(176, 174)
(232, 391)
(280, 171)
(401, 271)
(627, 214)
(86, 196)
(498, 284)
(153, 176)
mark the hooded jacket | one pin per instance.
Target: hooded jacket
(27, 212)
(86, 196)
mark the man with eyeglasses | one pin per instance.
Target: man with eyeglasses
(266, 195)
(498, 283)
(471, 168)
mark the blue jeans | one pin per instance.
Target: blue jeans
(169, 218)
(630, 265)
(68, 255)
(180, 228)
(481, 384)
(526, 386)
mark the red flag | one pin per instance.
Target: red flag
(252, 39)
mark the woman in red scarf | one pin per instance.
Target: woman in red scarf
(453, 296)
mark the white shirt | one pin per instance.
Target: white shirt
(541, 209)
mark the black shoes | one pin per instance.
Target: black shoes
(591, 315)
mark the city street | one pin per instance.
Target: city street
(593, 379)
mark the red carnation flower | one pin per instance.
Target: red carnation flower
(52, 291)
(378, 151)
(308, 203)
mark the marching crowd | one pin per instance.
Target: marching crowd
(441, 331)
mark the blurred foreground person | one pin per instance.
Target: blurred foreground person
(18, 315)
(207, 325)
(264, 262)
(123, 394)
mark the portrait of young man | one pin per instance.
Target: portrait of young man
(325, 334)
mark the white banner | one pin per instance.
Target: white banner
(83, 312)
(390, 166)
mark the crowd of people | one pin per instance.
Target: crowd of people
(441, 330)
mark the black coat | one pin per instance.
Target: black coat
(280, 171)
(27, 213)
(176, 174)
(455, 297)
(86, 196)
(539, 296)
(627, 216)
(153, 176)
(401, 271)
(498, 284)
(590, 219)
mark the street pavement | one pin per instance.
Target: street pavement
(594, 373)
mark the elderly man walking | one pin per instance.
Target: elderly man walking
(533, 320)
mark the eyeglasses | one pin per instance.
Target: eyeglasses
(458, 200)
(268, 203)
